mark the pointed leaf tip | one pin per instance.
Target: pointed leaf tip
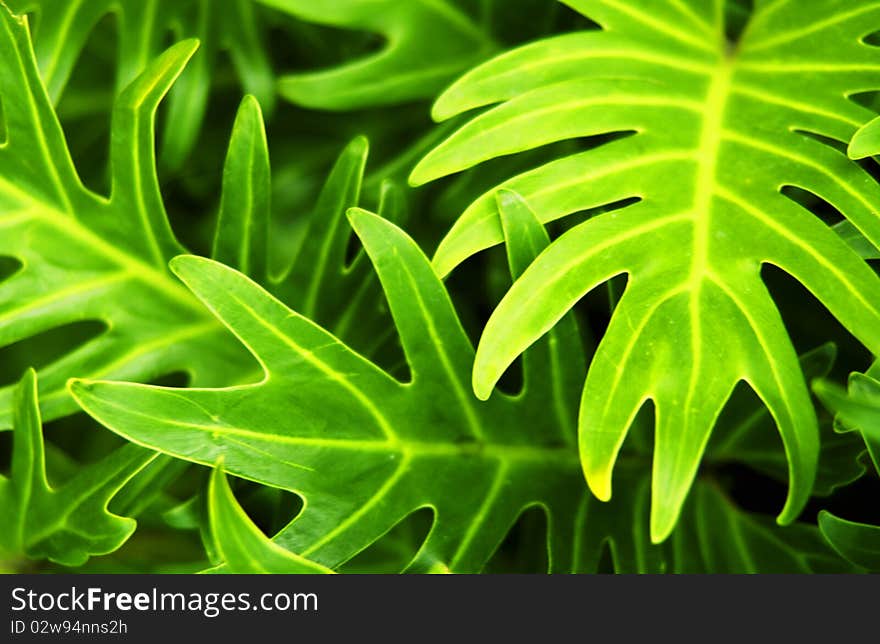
(662, 523)
(77, 385)
(419, 175)
(83, 393)
(161, 73)
(250, 102)
(829, 393)
(29, 378)
(188, 45)
(369, 226)
(249, 114)
(26, 412)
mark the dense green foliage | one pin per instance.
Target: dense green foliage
(248, 365)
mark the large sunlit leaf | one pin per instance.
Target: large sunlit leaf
(709, 134)
(69, 523)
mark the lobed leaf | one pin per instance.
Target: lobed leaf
(63, 28)
(427, 43)
(425, 443)
(714, 131)
(745, 436)
(89, 257)
(240, 543)
(859, 409)
(86, 256)
(70, 523)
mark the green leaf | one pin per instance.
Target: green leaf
(63, 29)
(858, 409)
(714, 536)
(715, 131)
(319, 284)
(322, 282)
(242, 230)
(85, 256)
(241, 544)
(857, 542)
(70, 523)
(88, 257)
(428, 43)
(413, 445)
(745, 435)
(404, 446)
(856, 240)
(865, 142)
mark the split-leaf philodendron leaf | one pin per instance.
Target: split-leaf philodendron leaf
(405, 445)
(86, 256)
(70, 523)
(428, 43)
(860, 409)
(62, 29)
(240, 544)
(710, 133)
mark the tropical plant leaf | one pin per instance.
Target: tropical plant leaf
(240, 239)
(866, 141)
(424, 443)
(716, 131)
(856, 240)
(63, 28)
(83, 256)
(428, 43)
(241, 544)
(322, 282)
(70, 523)
(859, 409)
(857, 542)
(745, 435)
(714, 536)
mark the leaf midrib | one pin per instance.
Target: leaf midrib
(407, 448)
(711, 138)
